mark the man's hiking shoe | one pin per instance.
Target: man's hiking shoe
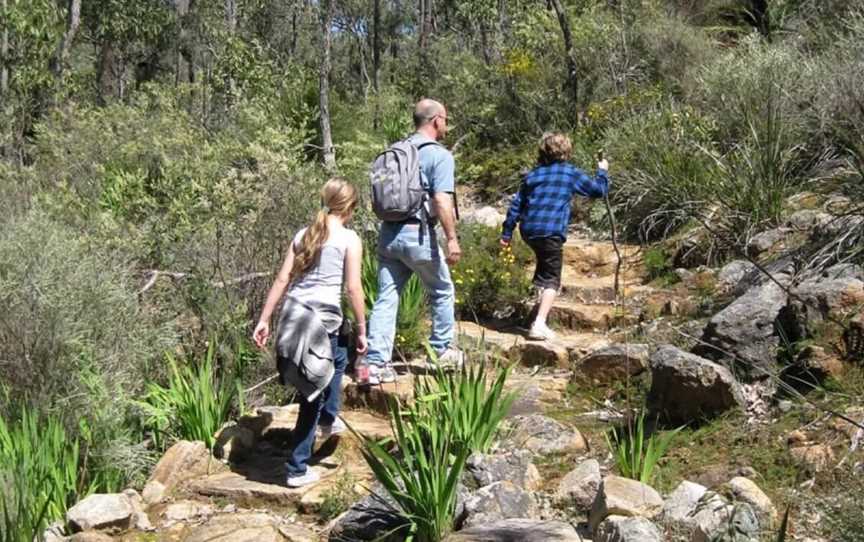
(381, 375)
(327, 431)
(310, 477)
(450, 358)
(541, 332)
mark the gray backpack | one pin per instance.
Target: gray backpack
(398, 188)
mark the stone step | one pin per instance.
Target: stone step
(574, 316)
(376, 398)
(598, 258)
(514, 343)
(599, 290)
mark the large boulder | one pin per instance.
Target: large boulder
(102, 511)
(627, 529)
(624, 497)
(543, 435)
(686, 387)
(818, 301)
(183, 461)
(580, 486)
(717, 520)
(515, 466)
(371, 518)
(743, 336)
(733, 274)
(613, 363)
(487, 216)
(521, 530)
(501, 500)
(681, 503)
(769, 241)
(244, 527)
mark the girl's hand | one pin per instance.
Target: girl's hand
(362, 344)
(261, 334)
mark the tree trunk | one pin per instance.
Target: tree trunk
(73, 20)
(231, 23)
(328, 153)
(572, 75)
(293, 46)
(376, 61)
(4, 54)
(183, 68)
(108, 73)
(761, 17)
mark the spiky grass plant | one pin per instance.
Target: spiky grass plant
(637, 453)
(196, 403)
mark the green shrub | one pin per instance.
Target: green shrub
(197, 402)
(635, 452)
(467, 402)
(491, 282)
(23, 511)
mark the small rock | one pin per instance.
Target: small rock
(501, 500)
(814, 457)
(681, 503)
(518, 530)
(183, 461)
(627, 529)
(90, 536)
(234, 442)
(102, 511)
(544, 435)
(733, 273)
(614, 363)
(785, 405)
(516, 467)
(54, 533)
(186, 510)
(370, 519)
(685, 387)
(719, 521)
(251, 527)
(580, 486)
(624, 497)
(745, 490)
(767, 241)
(814, 365)
(297, 533)
(487, 216)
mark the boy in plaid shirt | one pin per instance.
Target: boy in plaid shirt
(542, 208)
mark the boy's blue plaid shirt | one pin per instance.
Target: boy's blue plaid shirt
(542, 205)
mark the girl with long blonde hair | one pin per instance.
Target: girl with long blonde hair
(321, 259)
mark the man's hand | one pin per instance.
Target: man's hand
(454, 252)
(362, 344)
(603, 164)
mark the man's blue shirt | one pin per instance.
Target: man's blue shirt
(542, 205)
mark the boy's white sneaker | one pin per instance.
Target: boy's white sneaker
(451, 358)
(309, 477)
(541, 332)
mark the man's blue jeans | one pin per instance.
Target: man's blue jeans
(323, 409)
(403, 249)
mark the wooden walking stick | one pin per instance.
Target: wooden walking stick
(614, 229)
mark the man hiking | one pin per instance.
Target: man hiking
(412, 246)
(542, 207)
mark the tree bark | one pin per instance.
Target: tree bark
(4, 54)
(572, 75)
(328, 153)
(108, 73)
(761, 17)
(376, 61)
(293, 46)
(231, 23)
(183, 68)
(73, 21)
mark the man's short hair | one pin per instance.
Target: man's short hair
(425, 111)
(554, 147)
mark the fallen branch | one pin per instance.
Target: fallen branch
(155, 274)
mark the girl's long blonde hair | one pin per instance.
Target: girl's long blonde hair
(338, 197)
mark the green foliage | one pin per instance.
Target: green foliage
(495, 286)
(658, 264)
(410, 323)
(338, 498)
(23, 512)
(452, 416)
(636, 452)
(196, 403)
(466, 402)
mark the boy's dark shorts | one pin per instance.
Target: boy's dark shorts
(548, 251)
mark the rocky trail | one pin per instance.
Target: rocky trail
(546, 481)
